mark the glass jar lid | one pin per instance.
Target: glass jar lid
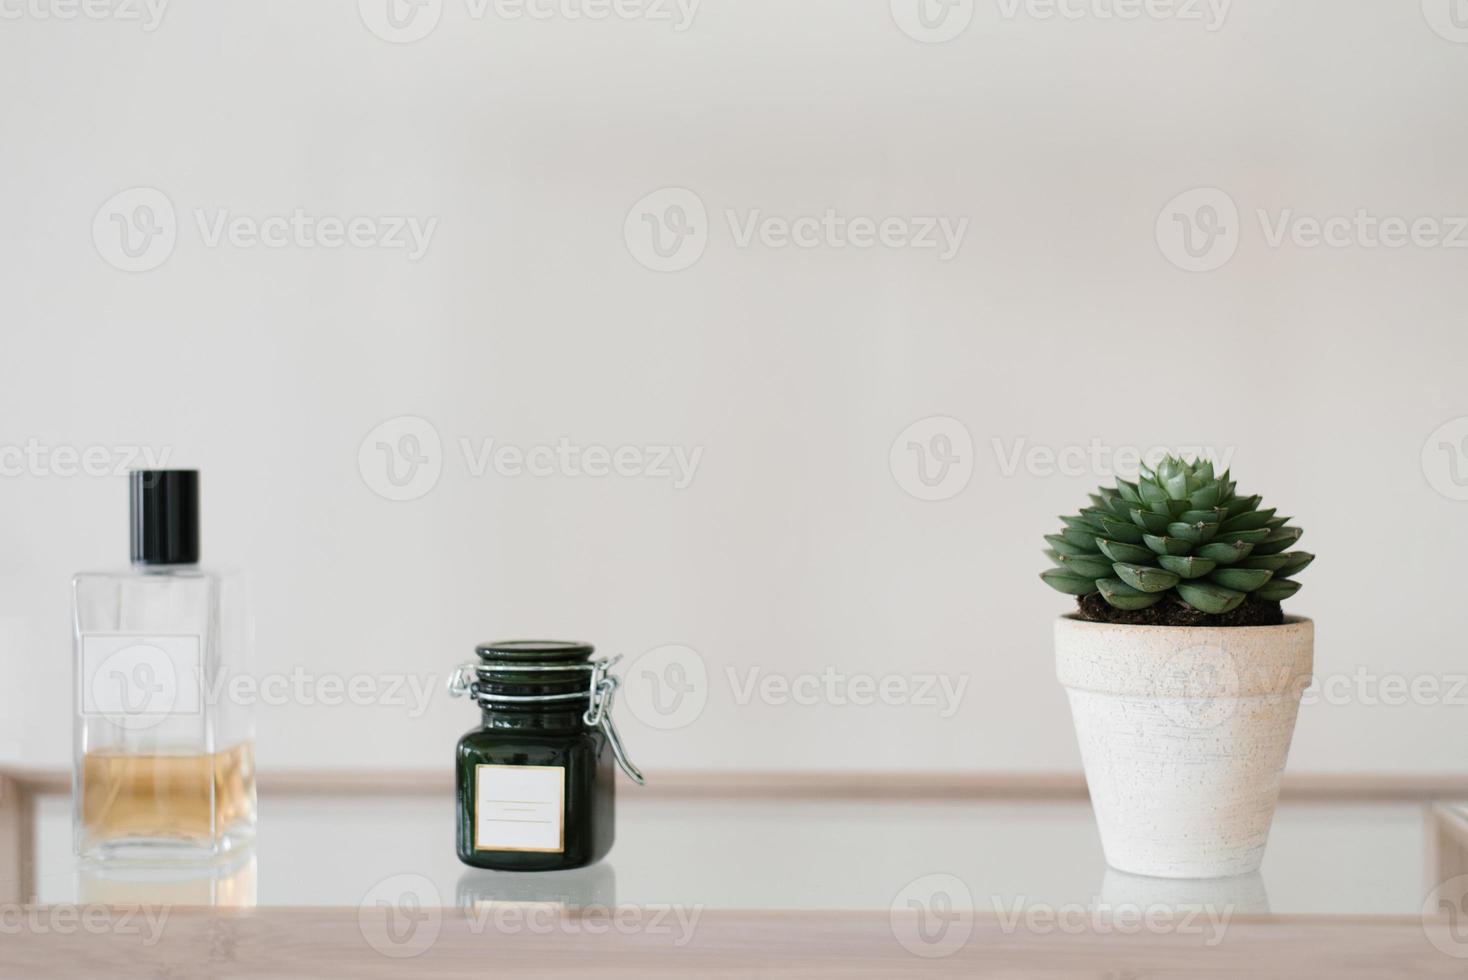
(541, 675)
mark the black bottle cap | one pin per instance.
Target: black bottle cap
(165, 516)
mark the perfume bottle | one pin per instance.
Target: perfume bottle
(164, 760)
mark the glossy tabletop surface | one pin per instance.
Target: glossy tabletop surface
(765, 854)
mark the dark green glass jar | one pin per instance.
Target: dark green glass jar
(536, 781)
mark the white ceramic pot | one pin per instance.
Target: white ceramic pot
(1184, 732)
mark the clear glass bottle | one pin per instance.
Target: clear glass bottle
(164, 760)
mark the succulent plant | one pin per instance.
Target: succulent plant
(1178, 530)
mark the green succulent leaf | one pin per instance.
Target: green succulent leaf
(1069, 584)
(1272, 563)
(1241, 579)
(1199, 533)
(1124, 531)
(1128, 492)
(1251, 521)
(1120, 551)
(1084, 566)
(1082, 523)
(1187, 566)
(1208, 496)
(1123, 596)
(1150, 522)
(1226, 554)
(1152, 493)
(1065, 547)
(1168, 545)
(1253, 537)
(1085, 540)
(1280, 540)
(1278, 590)
(1176, 485)
(1242, 505)
(1210, 515)
(1298, 562)
(1146, 578)
(1210, 598)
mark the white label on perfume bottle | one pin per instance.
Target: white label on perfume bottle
(520, 808)
(140, 678)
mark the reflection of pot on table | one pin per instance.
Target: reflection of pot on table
(1243, 894)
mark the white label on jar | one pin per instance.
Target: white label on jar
(140, 678)
(520, 808)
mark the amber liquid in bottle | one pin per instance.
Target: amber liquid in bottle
(182, 797)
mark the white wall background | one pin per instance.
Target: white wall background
(529, 320)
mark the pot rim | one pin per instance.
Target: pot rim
(1289, 622)
(1140, 661)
